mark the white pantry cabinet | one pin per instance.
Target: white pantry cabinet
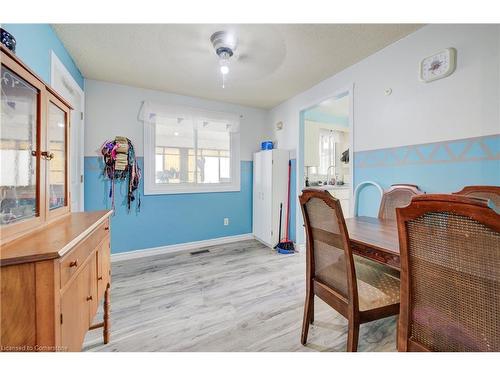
(270, 178)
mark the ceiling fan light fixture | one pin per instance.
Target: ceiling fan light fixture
(223, 41)
(224, 52)
(224, 44)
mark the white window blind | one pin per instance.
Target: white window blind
(188, 150)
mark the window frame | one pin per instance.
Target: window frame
(151, 187)
(65, 208)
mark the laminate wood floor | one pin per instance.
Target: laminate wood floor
(237, 297)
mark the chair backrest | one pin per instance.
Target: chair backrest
(450, 274)
(487, 192)
(329, 255)
(398, 195)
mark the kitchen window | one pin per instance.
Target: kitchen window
(189, 150)
(327, 150)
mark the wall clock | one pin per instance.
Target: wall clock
(438, 66)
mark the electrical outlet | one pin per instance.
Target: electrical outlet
(226, 221)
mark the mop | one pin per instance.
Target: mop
(286, 246)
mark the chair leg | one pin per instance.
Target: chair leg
(352, 336)
(311, 308)
(307, 317)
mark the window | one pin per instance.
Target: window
(327, 140)
(189, 151)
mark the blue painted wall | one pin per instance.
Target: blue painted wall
(435, 167)
(441, 167)
(169, 219)
(34, 44)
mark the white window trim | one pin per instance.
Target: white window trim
(153, 188)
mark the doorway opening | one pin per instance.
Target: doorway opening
(325, 155)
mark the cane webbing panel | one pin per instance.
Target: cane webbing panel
(378, 285)
(392, 200)
(454, 273)
(329, 255)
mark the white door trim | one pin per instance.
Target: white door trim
(300, 238)
(57, 65)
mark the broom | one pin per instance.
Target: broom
(286, 246)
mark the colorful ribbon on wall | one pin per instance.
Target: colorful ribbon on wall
(120, 164)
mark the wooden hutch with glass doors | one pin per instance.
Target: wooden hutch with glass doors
(55, 264)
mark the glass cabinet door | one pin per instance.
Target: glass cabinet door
(56, 156)
(19, 144)
(34, 144)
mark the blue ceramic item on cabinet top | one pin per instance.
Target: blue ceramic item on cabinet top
(8, 40)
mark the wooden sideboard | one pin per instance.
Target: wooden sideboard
(52, 281)
(54, 265)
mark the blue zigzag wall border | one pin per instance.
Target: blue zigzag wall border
(455, 151)
(438, 167)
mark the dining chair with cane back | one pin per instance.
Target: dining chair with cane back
(359, 289)
(482, 191)
(450, 274)
(398, 195)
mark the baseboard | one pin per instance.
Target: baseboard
(118, 257)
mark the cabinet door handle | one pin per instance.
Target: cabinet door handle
(73, 263)
(99, 278)
(47, 155)
(89, 298)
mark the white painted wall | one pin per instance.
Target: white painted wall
(112, 110)
(466, 104)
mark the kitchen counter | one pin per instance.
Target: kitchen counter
(341, 192)
(330, 187)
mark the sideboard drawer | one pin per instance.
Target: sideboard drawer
(75, 259)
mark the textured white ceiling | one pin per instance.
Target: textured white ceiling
(272, 62)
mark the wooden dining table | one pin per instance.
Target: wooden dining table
(375, 239)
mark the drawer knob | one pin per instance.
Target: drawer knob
(99, 278)
(106, 228)
(73, 263)
(89, 298)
